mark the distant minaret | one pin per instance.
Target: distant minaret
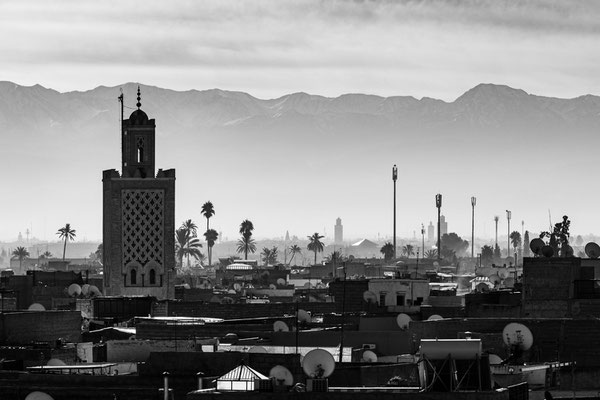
(287, 236)
(430, 232)
(338, 232)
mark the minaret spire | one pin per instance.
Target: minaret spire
(138, 98)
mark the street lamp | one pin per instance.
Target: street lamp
(394, 178)
(473, 201)
(438, 204)
(508, 215)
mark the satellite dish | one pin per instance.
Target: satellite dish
(85, 289)
(569, 251)
(205, 284)
(36, 307)
(237, 287)
(509, 282)
(536, 246)
(369, 356)
(257, 349)
(94, 291)
(503, 273)
(282, 375)
(495, 279)
(495, 359)
(403, 320)
(85, 315)
(74, 290)
(231, 291)
(517, 334)
(318, 363)
(280, 326)
(482, 287)
(281, 282)
(547, 251)
(509, 260)
(37, 395)
(435, 317)
(227, 300)
(55, 362)
(304, 316)
(592, 250)
(369, 297)
(307, 285)
(272, 286)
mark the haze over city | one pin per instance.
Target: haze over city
(298, 167)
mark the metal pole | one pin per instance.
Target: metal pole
(343, 311)
(473, 201)
(438, 204)
(394, 178)
(166, 386)
(508, 215)
(423, 238)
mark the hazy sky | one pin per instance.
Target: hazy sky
(270, 48)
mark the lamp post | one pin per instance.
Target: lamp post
(473, 201)
(438, 204)
(508, 215)
(394, 178)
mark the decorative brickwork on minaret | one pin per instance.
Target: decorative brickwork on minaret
(139, 216)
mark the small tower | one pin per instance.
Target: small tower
(338, 232)
(138, 216)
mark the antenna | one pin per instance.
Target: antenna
(549, 220)
(85, 289)
(495, 359)
(403, 320)
(94, 291)
(547, 251)
(495, 279)
(272, 286)
(282, 375)
(369, 297)
(435, 317)
(318, 364)
(518, 335)
(37, 395)
(536, 246)
(281, 282)
(592, 250)
(369, 356)
(304, 316)
(36, 307)
(257, 349)
(280, 326)
(74, 290)
(120, 98)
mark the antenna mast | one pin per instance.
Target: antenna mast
(120, 98)
(550, 220)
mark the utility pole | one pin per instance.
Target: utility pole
(508, 215)
(473, 201)
(394, 178)
(438, 204)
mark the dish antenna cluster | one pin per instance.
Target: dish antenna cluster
(517, 336)
(403, 320)
(280, 326)
(592, 250)
(369, 356)
(369, 297)
(86, 290)
(281, 375)
(318, 364)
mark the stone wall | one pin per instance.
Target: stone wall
(40, 326)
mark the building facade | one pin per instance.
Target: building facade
(139, 216)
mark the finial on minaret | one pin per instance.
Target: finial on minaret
(138, 99)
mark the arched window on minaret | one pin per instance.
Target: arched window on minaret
(140, 149)
(152, 277)
(133, 277)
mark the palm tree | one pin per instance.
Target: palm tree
(515, 239)
(211, 237)
(208, 210)
(388, 251)
(246, 242)
(46, 254)
(315, 244)
(185, 245)
(294, 249)
(409, 250)
(20, 253)
(245, 245)
(335, 257)
(191, 230)
(431, 254)
(67, 234)
(269, 256)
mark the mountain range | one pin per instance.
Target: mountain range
(290, 149)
